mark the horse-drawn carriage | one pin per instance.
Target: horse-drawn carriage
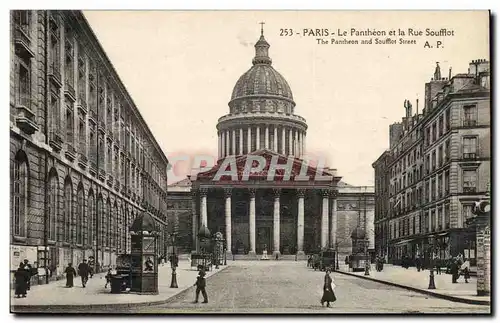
(323, 260)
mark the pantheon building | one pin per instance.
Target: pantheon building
(260, 211)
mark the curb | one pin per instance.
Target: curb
(422, 291)
(24, 309)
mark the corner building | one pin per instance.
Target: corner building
(439, 165)
(83, 161)
(285, 216)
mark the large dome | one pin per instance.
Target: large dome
(262, 80)
(262, 88)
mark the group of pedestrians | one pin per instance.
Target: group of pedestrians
(84, 271)
(22, 278)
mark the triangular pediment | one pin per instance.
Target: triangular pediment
(263, 164)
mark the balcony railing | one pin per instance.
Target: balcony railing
(69, 91)
(22, 42)
(25, 118)
(469, 156)
(469, 123)
(70, 152)
(82, 160)
(82, 106)
(55, 140)
(55, 74)
(93, 168)
(469, 189)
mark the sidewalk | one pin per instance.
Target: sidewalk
(419, 281)
(56, 296)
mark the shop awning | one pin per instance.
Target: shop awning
(402, 242)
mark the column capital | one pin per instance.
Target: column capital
(325, 193)
(203, 191)
(334, 193)
(301, 192)
(276, 192)
(252, 192)
(194, 192)
(228, 192)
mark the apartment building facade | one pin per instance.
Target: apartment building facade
(440, 166)
(83, 161)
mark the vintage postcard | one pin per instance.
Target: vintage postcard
(330, 162)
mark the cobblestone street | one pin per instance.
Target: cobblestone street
(290, 287)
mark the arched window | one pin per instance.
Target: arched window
(20, 197)
(68, 201)
(52, 222)
(80, 213)
(91, 219)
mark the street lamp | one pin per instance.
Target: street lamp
(431, 273)
(367, 264)
(173, 264)
(337, 254)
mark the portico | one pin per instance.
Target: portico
(284, 217)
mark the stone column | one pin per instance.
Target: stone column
(218, 145)
(296, 145)
(290, 142)
(251, 225)
(276, 223)
(241, 141)
(233, 143)
(223, 145)
(228, 143)
(303, 143)
(300, 222)
(283, 140)
(203, 207)
(195, 220)
(275, 139)
(227, 195)
(249, 140)
(257, 138)
(333, 222)
(266, 138)
(324, 219)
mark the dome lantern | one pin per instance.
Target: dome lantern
(262, 49)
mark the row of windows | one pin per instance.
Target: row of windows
(67, 222)
(432, 220)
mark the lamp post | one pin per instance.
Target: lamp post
(431, 273)
(337, 255)
(367, 264)
(173, 264)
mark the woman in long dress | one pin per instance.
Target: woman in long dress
(70, 274)
(328, 294)
(21, 284)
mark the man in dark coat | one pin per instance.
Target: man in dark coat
(328, 294)
(454, 271)
(418, 264)
(21, 281)
(29, 272)
(200, 287)
(84, 271)
(70, 274)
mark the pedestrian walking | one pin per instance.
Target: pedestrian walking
(21, 281)
(454, 271)
(200, 286)
(465, 268)
(328, 294)
(418, 264)
(438, 263)
(84, 271)
(108, 278)
(70, 274)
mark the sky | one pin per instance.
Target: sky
(180, 68)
